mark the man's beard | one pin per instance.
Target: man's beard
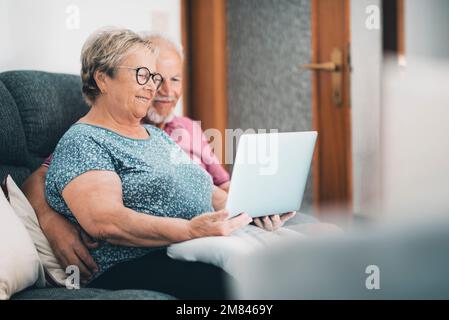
(155, 118)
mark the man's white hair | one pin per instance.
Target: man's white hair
(151, 36)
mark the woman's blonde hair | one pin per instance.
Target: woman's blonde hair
(103, 51)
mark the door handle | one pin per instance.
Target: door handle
(336, 67)
(326, 66)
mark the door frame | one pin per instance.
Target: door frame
(340, 195)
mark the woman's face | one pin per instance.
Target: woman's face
(123, 94)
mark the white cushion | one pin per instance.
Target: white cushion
(225, 252)
(26, 213)
(20, 266)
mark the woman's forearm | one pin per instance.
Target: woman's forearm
(95, 199)
(142, 230)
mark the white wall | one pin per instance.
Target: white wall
(374, 123)
(415, 140)
(427, 29)
(48, 35)
(366, 61)
(415, 133)
(45, 34)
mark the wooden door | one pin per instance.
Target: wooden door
(204, 37)
(330, 109)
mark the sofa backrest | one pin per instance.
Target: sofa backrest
(36, 108)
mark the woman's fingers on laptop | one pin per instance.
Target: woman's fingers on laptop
(267, 223)
(276, 221)
(287, 216)
(273, 222)
(264, 223)
(258, 223)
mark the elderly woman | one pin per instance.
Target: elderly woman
(129, 184)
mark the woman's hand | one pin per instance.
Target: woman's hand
(273, 222)
(216, 224)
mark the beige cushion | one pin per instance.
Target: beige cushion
(20, 266)
(26, 213)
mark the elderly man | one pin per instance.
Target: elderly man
(69, 242)
(182, 129)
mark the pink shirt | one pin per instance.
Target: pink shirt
(189, 136)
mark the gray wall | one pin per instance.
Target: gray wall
(267, 40)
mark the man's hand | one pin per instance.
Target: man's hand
(70, 244)
(273, 222)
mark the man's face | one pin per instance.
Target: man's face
(169, 65)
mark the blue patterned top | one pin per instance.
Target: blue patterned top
(158, 178)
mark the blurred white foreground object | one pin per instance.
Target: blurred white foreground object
(406, 256)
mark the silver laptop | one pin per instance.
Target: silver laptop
(270, 173)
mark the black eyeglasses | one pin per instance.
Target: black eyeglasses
(143, 75)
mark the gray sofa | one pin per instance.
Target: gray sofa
(36, 108)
